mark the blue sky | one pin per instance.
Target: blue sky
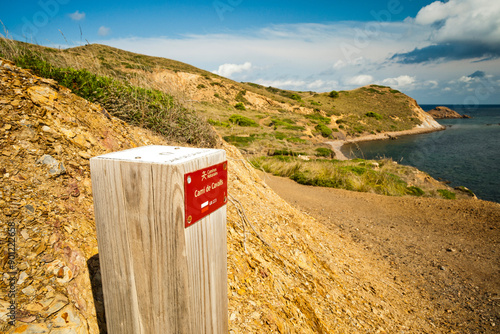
(437, 52)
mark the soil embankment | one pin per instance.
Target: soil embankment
(445, 249)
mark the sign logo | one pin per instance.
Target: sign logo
(205, 191)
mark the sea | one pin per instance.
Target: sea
(466, 154)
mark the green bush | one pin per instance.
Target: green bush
(285, 152)
(324, 130)
(415, 191)
(240, 106)
(242, 120)
(296, 97)
(219, 123)
(240, 140)
(317, 117)
(296, 140)
(374, 115)
(333, 94)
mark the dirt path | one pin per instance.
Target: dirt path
(447, 248)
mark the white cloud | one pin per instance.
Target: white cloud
(314, 58)
(77, 16)
(360, 80)
(227, 70)
(463, 20)
(403, 81)
(291, 84)
(103, 31)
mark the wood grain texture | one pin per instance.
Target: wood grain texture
(158, 277)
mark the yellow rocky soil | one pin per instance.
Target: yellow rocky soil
(287, 273)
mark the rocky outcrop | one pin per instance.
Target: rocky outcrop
(445, 112)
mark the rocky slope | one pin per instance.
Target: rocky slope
(287, 272)
(445, 112)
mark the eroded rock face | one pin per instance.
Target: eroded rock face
(445, 112)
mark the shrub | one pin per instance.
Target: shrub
(333, 94)
(219, 123)
(324, 130)
(296, 97)
(242, 120)
(295, 127)
(374, 115)
(324, 152)
(285, 152)
(317, 117)
(445, 193)
(201, 86)
(239, 140)
(296, 140)
(415, 191)
(240, 106)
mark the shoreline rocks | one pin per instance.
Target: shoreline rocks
(445, 112)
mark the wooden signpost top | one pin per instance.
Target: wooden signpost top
(160, 275)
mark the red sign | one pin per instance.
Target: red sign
(205, 191)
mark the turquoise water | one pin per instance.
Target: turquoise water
(466, 154)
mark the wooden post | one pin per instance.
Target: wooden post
(161, 229)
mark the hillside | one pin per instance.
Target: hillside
(256, 119)
(287, 272)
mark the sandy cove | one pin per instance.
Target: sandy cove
(337, 144)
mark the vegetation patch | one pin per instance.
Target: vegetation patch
(415, 191)
(374, 115)
(350, 175)
(240, 141)
(242, 120)
(333, 94)
(318, 118)
(324, 130)
(149, 108)
(445, 193)
(240, 97)
(240, 106)
(324, 152)
(219, 123)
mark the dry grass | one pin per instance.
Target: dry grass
(382, 176)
